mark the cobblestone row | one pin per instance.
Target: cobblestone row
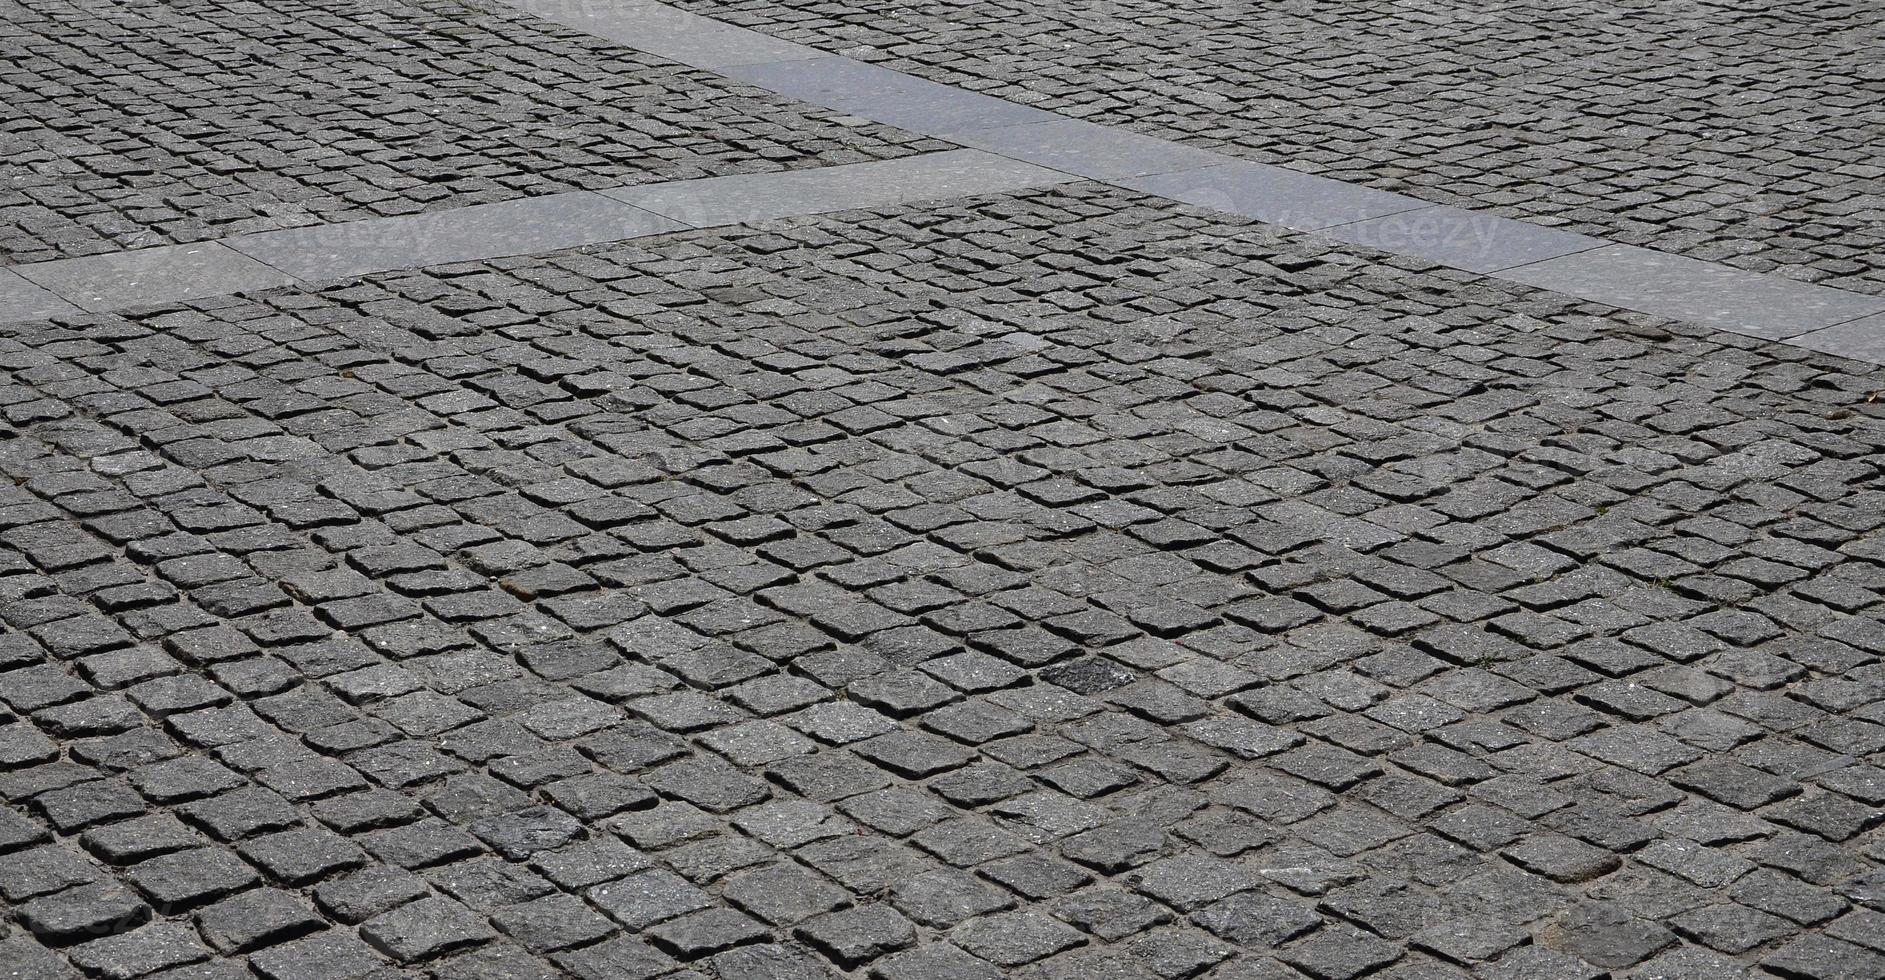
(1746, 133)
(1059, 585)
(124, 125)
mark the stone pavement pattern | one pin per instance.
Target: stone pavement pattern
(1749, 133)
(1045, 585)
(1054, 584)
(144, 123)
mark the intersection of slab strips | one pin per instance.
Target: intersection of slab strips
(1622, 276)
(1012, 147)
(247, 263)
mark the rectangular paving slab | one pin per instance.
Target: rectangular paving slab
(485, 231)
(886, 96)
(154, 275)
(1682, 288)
(1083, 148)
(1471, 240)
(722, 48)
(940, 110)
(22, 300)
(834, 82)
(755, 197)
(1861, 340)
(1275, 195)
(673, 34)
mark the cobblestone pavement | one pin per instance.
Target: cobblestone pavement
(1747, 133)
(1064, 584)
(126, 125)
(1059, 584)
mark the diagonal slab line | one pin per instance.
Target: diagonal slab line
(483, 231)
(755, 197)
(1577, 265)
(1274, 195)
(1862, 339)
(22, 299)
(99, 283)
(1471, 240)
(247, 263)
(1682, 288)
(1588, 268)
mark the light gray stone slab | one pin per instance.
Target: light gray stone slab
(1862, 339)
(1275, 195)
(608, 18)
(833, 82)
(561, 9)
(755, 197)
(1471, 240)
(666, 32)
(1682, 288)
(483, 231)
(153, 275)
(889, 97)
(926, 107)
(720, 48)
(1079, 147)
(22, 300)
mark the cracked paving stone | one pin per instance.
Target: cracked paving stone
(87, 910)
(186, 878)
(709, 931)
(425, 929)
(1012, 939)
(140, 951)
(854, 937)
(258, 917)
(324, 955)
(1339, 954)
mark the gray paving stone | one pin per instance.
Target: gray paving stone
(464, 234)
(1090, 150)
(1682, 288)
(1472, 240)
(1275, 195)
(755, 197)
(153, 275)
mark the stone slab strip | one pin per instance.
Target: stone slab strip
(1089, 149)
(116, 280)
(1862, 339)
(889, 97)
(756, 197)
(1682, 288)
(670, 33)
(1275, 195)
(246, 263)
(1456, 237)
(1617, 275)
(482, 231)
(23, 300)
